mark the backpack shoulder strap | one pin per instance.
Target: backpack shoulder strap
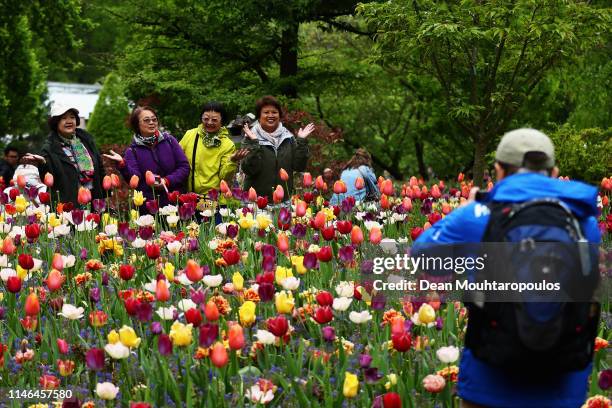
(193, 160)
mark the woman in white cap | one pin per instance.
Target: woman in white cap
(70, 155)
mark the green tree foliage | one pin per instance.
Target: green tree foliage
(108, 120)
(487, 56)
(33, 35)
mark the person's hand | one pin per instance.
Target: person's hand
(249, 133)
(239, 155)
(32, 159)
(304, 132)
(471, 196)
(160, 184)
(114, 156)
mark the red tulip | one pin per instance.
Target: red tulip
(211, 311)
(252, 195)
(25, 261)
(282, 173)
(262, 202)
(384, 202)
(278, 326)
(83, 196)
(55, 279)
(320, 220)
(415, 232)
(401, 342)
(344, 227)
(328, 233)
(231, 256)
(193, 271)
(161, 291)
(307, 180)
(32, 305)
(126, 272)
(44, 197)
(32, 231)
(48, 180)
(282, 242)
(107, 183)
(193, 316)
(359, 183)
(236, 337)
(460, 177)
(356, 235)
(13, 284)
(392, 400)
(49, 382)
(325, 254)
(323, 315)
(308, 197)
(152, 250)
(62, 346)
(132, 305)
(134, 180)
(149, 178)
(218, 355)
(324, 298)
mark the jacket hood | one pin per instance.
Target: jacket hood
(580, 197)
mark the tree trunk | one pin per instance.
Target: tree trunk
(289, 60)
(480, 150)
(419, 148)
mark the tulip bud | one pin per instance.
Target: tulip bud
(211, 311)
(21, 181)
(218, 355)
(55, 279)
(149, 178)
(320, 184)
(193, 271)
(282, 173)
(134, 180)
(236, 337)
(107, 183)
(359, 183)
(83, 196)
(307, 180)
(48, 180)
(339, 187)
(387, 187)
(375, 235)
(252, 195)
(300, 208)
(115, 182)
(161, 291)
(32, 305)
(356, 235)
(278, 194)
(282, 242)
(57, 262)
(223, 187)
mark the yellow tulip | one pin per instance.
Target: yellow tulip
(169, 271)
(392, 380)
(298, 264)
(134, 215)
(20, 203)
(53, 220)
(246, 221)
(263, 221)
(128, 337)
(427, 314)
(238, 281)
(21, 273)
(108, 220)
(351, 385)
(246, 312)
(282, 273)
(113, 337)
(181, 334)
(138, 198)
(284, 302)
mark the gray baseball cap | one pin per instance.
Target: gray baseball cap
(513, 146)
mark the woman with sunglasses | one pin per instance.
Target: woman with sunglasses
(155, 151)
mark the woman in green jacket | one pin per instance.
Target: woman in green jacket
(211, 153)
(273, 147)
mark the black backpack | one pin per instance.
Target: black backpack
(537, 330)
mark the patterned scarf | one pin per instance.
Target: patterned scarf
(78, 154)
(148, 140)
(275, 138)
(212, 139)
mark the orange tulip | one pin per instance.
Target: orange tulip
(426, 226)
(446, 208)
(8, 246)
(21, 181)
(435, 191)
(278, 194)
(300, 208)
(57, 262)
(32, 305)
(223, 187)
(134, 180)
(320, 220)
(384, 202)
(236, 337)
(218, 355)
(320, 184)
(252, 195)
(282, 173)
(356, 235)
(107, 183)
(339, 187)
(84, 196)
(115, 182)
(48, 180)
(359, 183)
(605, 201)
(413, 181)
(193, 271)
(375, 235)
(149, 178)
(282, 242)
(465, 191)
(307, 180)
(211, 311)
(407, 204)
(161, 291)
(397, 325)
(55, 279)
(441, 185)
(387, 187)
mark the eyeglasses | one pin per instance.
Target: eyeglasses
(149, 120)
(210, 120)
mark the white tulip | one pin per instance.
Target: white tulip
(111, 230)
(139, 243)
(360, 317)
(345, 289)
(106, 390)
(290, 283)
(187, 304)
(448, 355)
(174, 247)
(166, 313)
(117, 351)
(213, 281)
(265, 337)
(71, 312)
(341, 303)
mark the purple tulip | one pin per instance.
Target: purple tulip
(213, 194)
(367, 266)
(32, 219)
(131, 235)
(347, 205)
(266, 291)
(94, 294)
(2, 312)
(232, 231)
(4, 198)
(439, 323)
(426, 207)
(123, 228)
(193, 245)
(156, 328)
(372, 376)
(310, 260)
(83, 254)
(105, 278)
(379, 302)
(77, 216)
(329, 333)
(197, 296)
(152, 206)
(144, 312)
(269, 250)
(298, 230)
(32, 192)
(95, 359)
(268, 263)
(315, 238)
(605, 379)
(164, 344)
(209, 333)
(284, 216)
(145, 232)
(365, 360)
(378, 402)
(98, 205)
(346, 254)
(186, 211)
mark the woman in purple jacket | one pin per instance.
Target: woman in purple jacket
(155, 151)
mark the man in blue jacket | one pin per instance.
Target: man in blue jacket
(525, 170)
